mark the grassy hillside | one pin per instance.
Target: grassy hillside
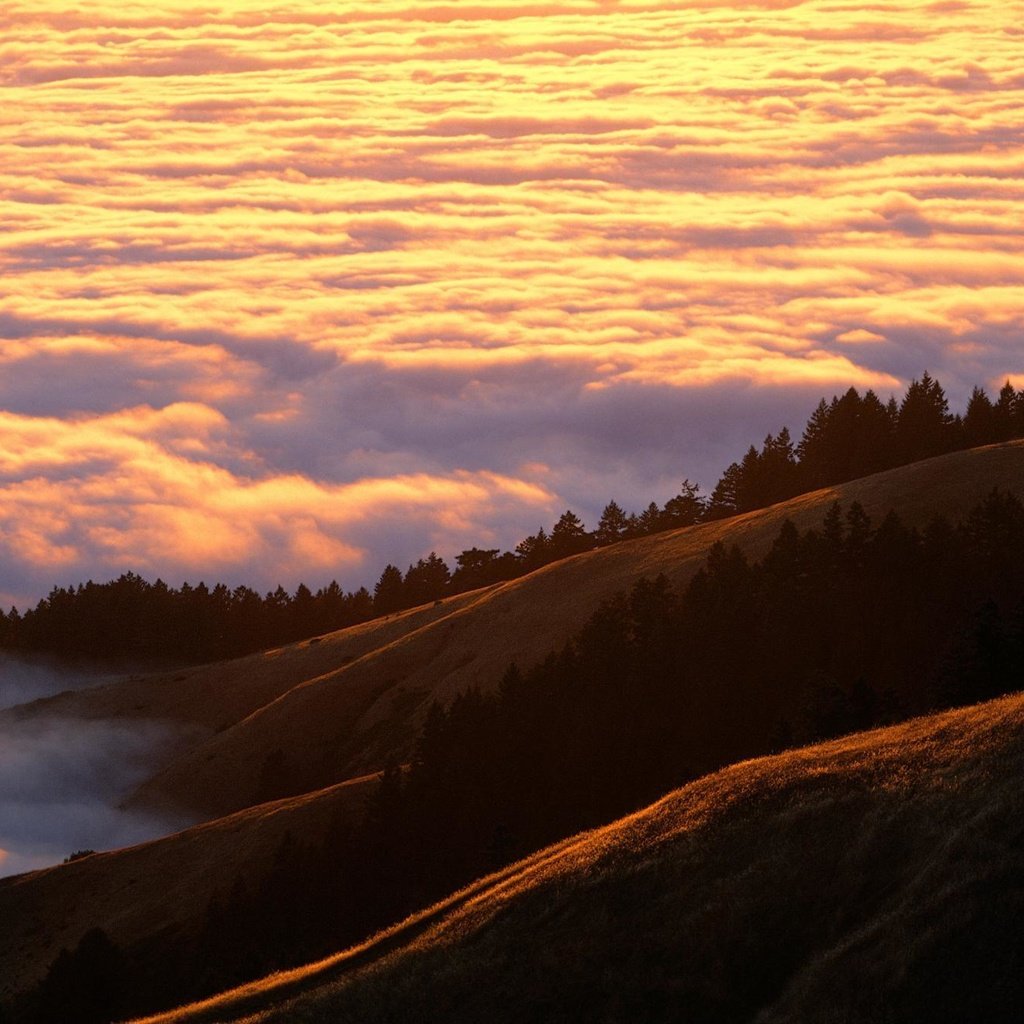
(873, 878)
(138, 892)
(350, 700)
(352, 719)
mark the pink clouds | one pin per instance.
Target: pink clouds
(231, 225)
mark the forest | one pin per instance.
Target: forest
(834, 630)
(132, 621)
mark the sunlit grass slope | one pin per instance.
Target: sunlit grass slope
(138, 892)
(354, 717)
(873, 878)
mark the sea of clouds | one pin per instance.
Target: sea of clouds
(293, 291)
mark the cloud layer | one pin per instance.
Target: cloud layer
(288, 292)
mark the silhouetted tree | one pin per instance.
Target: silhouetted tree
(476, 567)
(612, 525)
(924, 427)
(979, 425)
(569, 536)
(389, 593)
(686, 508)
(649, 521)
(425, 581)
(534, 551)
(725, 497)
(86, 985)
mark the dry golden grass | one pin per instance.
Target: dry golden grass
(852, 881)
(353, 718)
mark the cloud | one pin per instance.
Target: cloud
(349, 267)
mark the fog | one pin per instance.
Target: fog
(61, 779)
(22, 680)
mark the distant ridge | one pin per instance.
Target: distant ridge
(871, 878)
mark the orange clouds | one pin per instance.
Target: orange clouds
(113, 491)
(226, 216)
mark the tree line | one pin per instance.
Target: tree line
(853, 435)
(839, 628)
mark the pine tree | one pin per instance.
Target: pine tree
(650, 520)
(686, 508)
(980, 420)
(812, 451)
(612, 525)
(924, 428)
(427, 580)
(725, 497)
(569, 536)
(534, 551)
(1005, 414)
(389, 593)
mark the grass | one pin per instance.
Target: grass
(875, 878)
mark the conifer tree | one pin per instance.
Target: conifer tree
(389, 593)
(612, 525)
(686, 508)
(569, 536)
(924, 427)
(980, 420)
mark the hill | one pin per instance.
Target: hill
(354, 717)
(162, 886)
(318, 710)
(872, 878)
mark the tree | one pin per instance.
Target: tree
(612, 525)
(389, 593)
(569, 536)
(725, 497)
(813, 449)
(534, 551)
(686, 508)
(980, 420)
(650, 520)
(777, 468)
(427, 580)
(1006, 414)
(924, 427)
(475, 567)
(85, 986)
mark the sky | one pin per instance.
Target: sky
(294, 289)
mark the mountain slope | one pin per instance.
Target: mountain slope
(355, 717)
(872, 878)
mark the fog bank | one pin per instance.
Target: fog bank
(24, 680)
(60, 783)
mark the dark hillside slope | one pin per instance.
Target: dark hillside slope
(874, 878)
(354, 718)
(161, 887)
